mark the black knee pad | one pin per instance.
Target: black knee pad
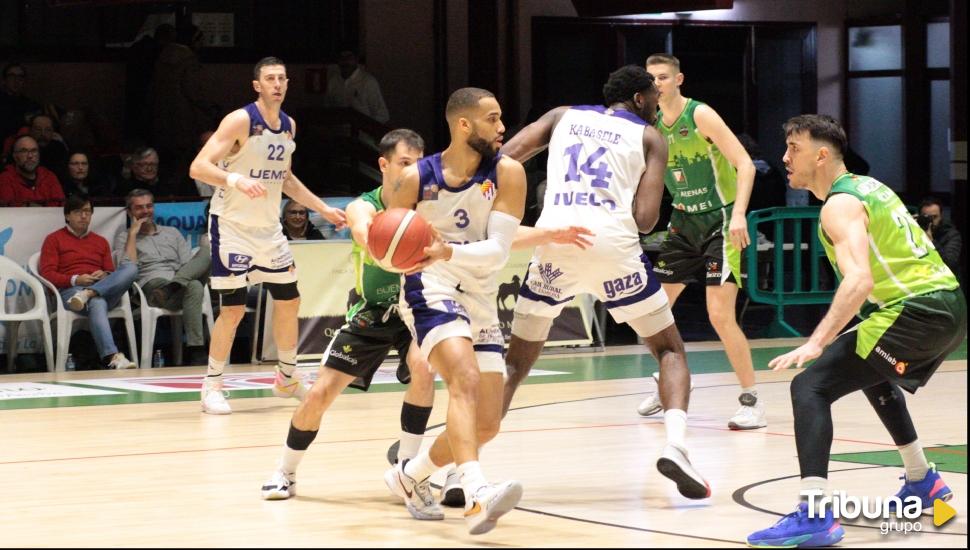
(283, 291)
(233, 297)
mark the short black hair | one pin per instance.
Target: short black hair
(11, 65)
(390, 140)
(930, 201)
(625, 82)
(820, 128)
(463, 99)
(266, 62)
(76, 202)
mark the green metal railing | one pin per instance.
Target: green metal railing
(802, 249)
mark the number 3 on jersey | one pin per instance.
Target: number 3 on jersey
(462, 220)
(600, 172)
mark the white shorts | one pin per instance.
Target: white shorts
(243, 255)
(435, 310)
(626, 286)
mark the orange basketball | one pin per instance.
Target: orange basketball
(397, 239)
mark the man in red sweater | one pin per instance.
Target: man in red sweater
(25, 182)
(79, 263)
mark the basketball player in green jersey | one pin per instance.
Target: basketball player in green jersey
(372, 329)
(710, 177)
(913, 316)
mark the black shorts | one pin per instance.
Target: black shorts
(697, 249)
(359, 349)
(906, 342)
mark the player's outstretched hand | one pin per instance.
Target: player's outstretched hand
(738, 230)
(574, 235)
(798, 357)
(335, 216)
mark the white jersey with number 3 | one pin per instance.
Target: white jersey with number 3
(265, 157)
(460, 214)
(595, 164)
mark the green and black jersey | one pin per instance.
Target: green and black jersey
(698, 176)
(375, 287)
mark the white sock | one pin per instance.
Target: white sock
(914, 459)
(472, 478)
(214, 372)
(290, 460)
(753, 390)
(818, 486)
(410, 445)
(286, 361)
(675, 421)
(420, 467)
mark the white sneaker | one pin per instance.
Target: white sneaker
(290, 386)
(280, 486)
(77, 302)
(750, 416)
(651, 405)
(416, 494)
(119, 361)
(452, 493)
(673, 463)
(489, 503)
(214, 399)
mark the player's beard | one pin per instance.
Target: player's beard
(482, 147)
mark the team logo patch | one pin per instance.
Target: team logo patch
(549, 273)
(239, 261)
(348, 348)
(488, 189)
(684, 132)
(680, 179)
(430, 193)
(257, 129)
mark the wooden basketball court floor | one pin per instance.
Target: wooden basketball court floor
(129, 467)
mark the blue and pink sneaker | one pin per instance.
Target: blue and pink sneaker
(927, 489)
(797, 530)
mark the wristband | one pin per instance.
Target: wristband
(232, 179)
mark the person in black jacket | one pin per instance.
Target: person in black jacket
(946, 238)
(296, 223)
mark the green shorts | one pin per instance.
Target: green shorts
(907, 341)
(697, 249)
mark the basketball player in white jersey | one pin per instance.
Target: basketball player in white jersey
(474, 199)
(605, 172)
(248, 161)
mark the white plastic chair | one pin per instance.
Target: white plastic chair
(10, 271)
(149, 324)
(66, 319)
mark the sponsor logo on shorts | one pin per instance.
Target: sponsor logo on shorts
(900, 366)
(549, 273)
(283, 260)
(343, 356)
(622, 286)
(490, 335)
(239, 261)
(659, 268)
